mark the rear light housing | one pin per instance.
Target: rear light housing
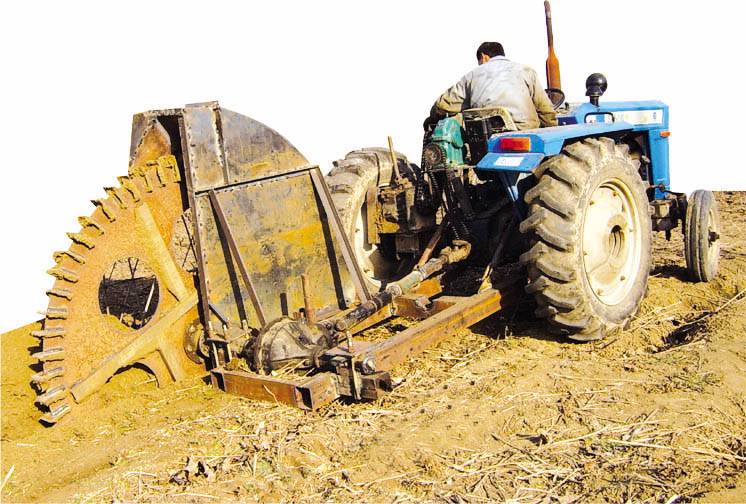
(515, 144)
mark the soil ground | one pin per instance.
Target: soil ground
(501, 412)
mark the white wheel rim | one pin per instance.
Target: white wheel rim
(612, 242)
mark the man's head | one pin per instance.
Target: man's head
(488, 50)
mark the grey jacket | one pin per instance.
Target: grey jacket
(500, 83)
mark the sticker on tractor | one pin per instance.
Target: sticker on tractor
(509, 161)
(639, 116)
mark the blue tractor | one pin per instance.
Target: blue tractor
(574, 204)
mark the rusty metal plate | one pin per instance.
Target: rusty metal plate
(206, 164)
(225, 148)
(253, 150)
(281, 232)
(265, 224)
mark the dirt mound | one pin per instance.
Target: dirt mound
(501, 412)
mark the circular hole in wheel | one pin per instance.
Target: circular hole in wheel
(128, 294)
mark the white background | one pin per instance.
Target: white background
(329, 76)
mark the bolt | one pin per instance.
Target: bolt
(591, 203)
(622, 278)
(600, 291)
(368, 365)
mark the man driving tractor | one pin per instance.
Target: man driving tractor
(497, 82)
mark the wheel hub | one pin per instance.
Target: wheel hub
(611, 245)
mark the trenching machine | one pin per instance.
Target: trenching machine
(224, 251)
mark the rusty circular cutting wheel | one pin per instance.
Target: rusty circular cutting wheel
(117, 284)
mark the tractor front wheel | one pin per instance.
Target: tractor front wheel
(590, 228)
(702, 236)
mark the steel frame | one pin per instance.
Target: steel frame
(362, 372)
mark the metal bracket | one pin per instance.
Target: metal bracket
(309, 394)
(371, 214)
(331, 212)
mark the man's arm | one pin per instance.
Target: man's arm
(544, 108)
(449, 103)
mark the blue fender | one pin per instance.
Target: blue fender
(545, 142)
(649, 119)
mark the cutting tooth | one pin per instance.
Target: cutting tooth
(87, 222)
(61, 273)
(114, 194)
(49, 332)
(82, 239)
(56, 312)
(57, 413)
(45, 376)
(106, 211)
(174, 169)
(56, 353)
(52, 395)
(136, 171)
(61, 293)
(127, 183)
(146, 182)
(60, 254)
(167, 165)
(160, 172)
(142, 168)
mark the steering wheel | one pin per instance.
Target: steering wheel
(551, 92)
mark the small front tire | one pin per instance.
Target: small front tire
(702, 236)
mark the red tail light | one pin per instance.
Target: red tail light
(515, 144)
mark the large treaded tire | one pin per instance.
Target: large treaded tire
(589, 226)
(702, 236)
(349, 181)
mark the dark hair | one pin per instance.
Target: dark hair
(491, 49)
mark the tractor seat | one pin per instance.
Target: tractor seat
(480, 124)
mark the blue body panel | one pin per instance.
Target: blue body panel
(650, 118)
(544, 142)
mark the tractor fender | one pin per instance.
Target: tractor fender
(543, 142)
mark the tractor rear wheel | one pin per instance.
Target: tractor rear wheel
(349, 182)
(590, 230)
(702, 236)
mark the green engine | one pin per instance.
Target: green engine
(445, 148)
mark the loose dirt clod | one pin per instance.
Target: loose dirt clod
(502, 412)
